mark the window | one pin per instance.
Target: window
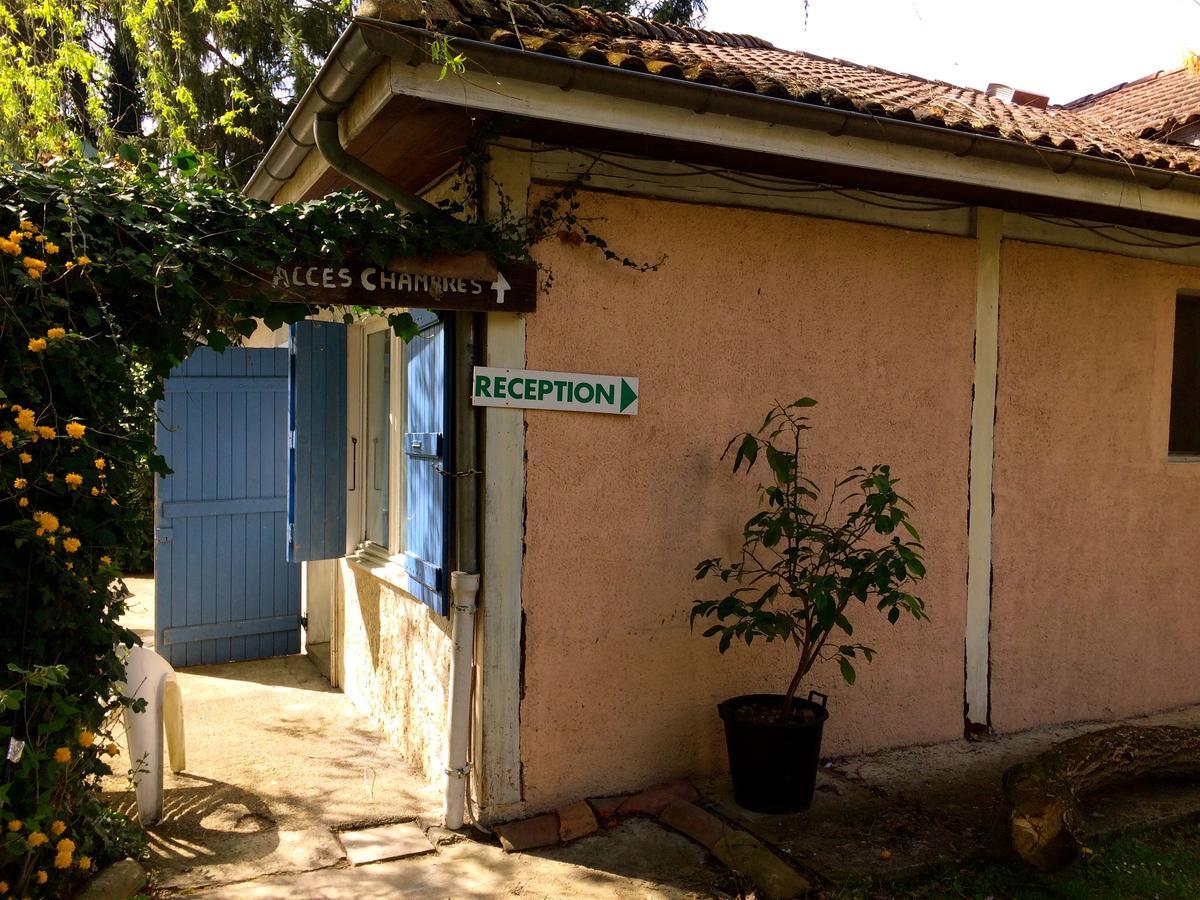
(397, 498)
(376, 476)
(1185, 379)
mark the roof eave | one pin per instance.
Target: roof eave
(367, 42)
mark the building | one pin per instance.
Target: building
(994, 295)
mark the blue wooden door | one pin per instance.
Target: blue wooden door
(224, 589)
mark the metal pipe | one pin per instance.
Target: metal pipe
(466, 446)
(463, 587)
(325, 133)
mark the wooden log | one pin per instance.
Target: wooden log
(1043, 793)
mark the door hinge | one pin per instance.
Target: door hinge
(303, 621)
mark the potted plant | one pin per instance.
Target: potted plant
(804, 561)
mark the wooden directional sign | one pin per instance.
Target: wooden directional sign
(470, 283)
(527, 389)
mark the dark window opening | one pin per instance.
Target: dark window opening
(1185, 378)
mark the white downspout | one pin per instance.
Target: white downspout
(463, 588)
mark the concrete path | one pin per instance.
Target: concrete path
(277, 761)
(638, 859)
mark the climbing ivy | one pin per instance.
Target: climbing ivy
(110, 274)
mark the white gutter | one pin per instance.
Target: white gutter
(343, 72)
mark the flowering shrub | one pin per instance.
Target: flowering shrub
(110, 274)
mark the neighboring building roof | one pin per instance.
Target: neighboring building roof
(1152, 107)
(746, 63)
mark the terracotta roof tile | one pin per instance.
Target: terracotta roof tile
(1151, 107)
(1105, 125)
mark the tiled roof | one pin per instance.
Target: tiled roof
(1152, 107)
(749, 64)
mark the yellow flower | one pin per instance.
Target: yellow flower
(62, 755)
(106, 560)
(76, 429)
(36, 839)
(83, 260)
(42, 876)
(95, 492)
(71, 544)
(73, 479)
(20, 484)
(25, 419)
(32, 262)
(24, 501)
(56, 334)
(66, 845)
(24, 457)
(16, 237)
(10, 247)
(50, 540)
(86, 738)
(45, 431)
(37, 345)
(48, 522)
(62, 860)
(85, 862)
(35, 274)
(112, 750)
(101, 462)
(57, 827)
(6, 438)
(3, 887)
(41, 239)
(15, 825)
(51, 248)
(26, 225)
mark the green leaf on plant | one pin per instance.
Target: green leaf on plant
(847, 670)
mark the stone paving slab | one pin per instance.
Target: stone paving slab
(384, 842)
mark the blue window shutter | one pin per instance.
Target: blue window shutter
(316, 501)
(427, 455)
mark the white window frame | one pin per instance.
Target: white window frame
(373, 555)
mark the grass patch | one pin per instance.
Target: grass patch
(1162, 863)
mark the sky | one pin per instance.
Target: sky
(1063, 48)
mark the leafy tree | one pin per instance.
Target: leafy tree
(220, 76)
(216, 76)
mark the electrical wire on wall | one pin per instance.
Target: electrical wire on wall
(757, 184)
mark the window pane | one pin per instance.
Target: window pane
(1185, 378)
(379, 365)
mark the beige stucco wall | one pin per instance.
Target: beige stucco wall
(395, 665)
(877, 324)
(1094, 592)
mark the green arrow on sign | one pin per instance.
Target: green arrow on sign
(628, 395)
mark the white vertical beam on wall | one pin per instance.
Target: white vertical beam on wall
(497, 736)
(989, 225)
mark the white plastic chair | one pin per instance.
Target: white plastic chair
(150, 677)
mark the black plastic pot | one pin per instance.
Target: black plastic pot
(773, 765)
